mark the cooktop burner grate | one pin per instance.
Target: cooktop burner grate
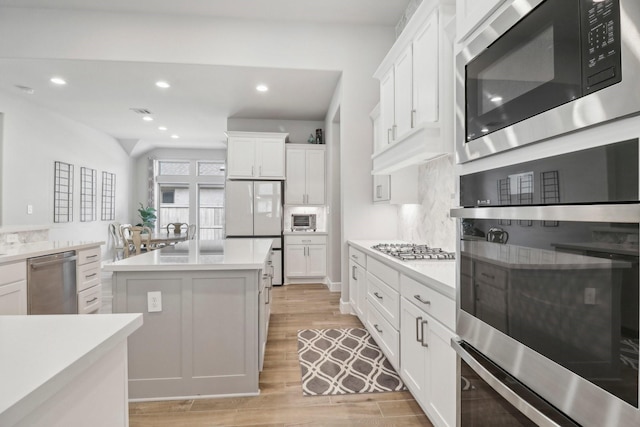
(412, 251)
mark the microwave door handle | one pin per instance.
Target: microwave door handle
(512, 397)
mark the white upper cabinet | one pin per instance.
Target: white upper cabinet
(416, 91)
(255, 155)
(305, 184)
(471, 13)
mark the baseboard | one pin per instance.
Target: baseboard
(345, 308)
(334, 286)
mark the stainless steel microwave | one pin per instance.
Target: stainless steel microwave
(543, 68)
(303, 222)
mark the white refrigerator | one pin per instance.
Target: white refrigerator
(253, 208)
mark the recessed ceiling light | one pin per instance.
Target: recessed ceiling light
(484, 130)
(58, 81)
(174, 136)
(496, 98)
(162, 84)
(162, 128)
(262, 88)
(147, 118)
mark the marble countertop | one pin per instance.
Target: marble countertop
(41, 354)
(21, 251)
(228, 254)
(439, 275)
(520, 257)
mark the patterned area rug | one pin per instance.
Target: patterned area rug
(342, 361)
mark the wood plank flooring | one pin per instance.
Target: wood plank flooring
(281, 403)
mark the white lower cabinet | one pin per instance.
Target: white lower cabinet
(305, 256)
(427, 361)
(13, 288)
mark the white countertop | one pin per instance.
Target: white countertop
(440, 275)
(39, 355)
(228, 254)
(21, 251)
(303, 233)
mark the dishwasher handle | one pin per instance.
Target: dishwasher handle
(62, 260)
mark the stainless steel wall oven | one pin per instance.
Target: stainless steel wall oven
(549, 279)
(543, 68)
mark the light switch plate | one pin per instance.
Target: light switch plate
(154, 301)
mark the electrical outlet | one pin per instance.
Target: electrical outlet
(29, 209)
(590, 296)
(154, 301)
(13, 238)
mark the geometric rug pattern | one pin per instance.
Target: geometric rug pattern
(342, 361)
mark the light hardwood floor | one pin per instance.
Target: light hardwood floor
(281, 403)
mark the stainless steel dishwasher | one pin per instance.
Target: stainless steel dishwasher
(51, 284)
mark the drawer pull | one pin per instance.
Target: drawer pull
(488, 276)
(377, 328)
(419, 298)
(354, 256)
(92, 256)
(418, 329)
(306, 240)
(377, 295)
(92, 300)
(424, 344)
(91, 275)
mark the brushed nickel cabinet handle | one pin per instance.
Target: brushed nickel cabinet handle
(353, 273)
(377, 328)
(377, 295)
(424, 344)
(419, 298)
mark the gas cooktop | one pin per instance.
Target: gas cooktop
(412, 251)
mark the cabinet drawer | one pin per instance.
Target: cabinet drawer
(86, 256)
(305, 240)
(383, 272)
(14, 272)
(90, 300)
(385, 335)
(357, 256)
(430, 301)
(385, 299)
(88, 275)
(491, 275)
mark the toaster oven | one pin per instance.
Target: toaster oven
(303, 222)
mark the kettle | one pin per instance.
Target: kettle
(497, 235)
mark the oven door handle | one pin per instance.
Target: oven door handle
(512, 397)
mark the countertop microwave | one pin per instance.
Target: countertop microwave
(546, 69)
(303, 222)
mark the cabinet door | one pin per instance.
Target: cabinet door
(413, 367)
(471, 13)
(387, 108)
(315, 177)
(425, 66)
(381, 187)
(295, 262)
(441, 375)
(13, 298)
(241, 155)
(403, 79)
(295, 184)
(317, 260)
(270, 158)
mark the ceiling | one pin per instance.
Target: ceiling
(102, 94)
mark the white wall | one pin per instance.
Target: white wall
(34, 138)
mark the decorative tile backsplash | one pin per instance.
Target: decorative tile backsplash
(429, 222)
(26, 235)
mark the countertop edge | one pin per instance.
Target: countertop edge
(36, 249)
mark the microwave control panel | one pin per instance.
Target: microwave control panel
(601, 56)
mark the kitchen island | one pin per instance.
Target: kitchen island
(205, 308)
